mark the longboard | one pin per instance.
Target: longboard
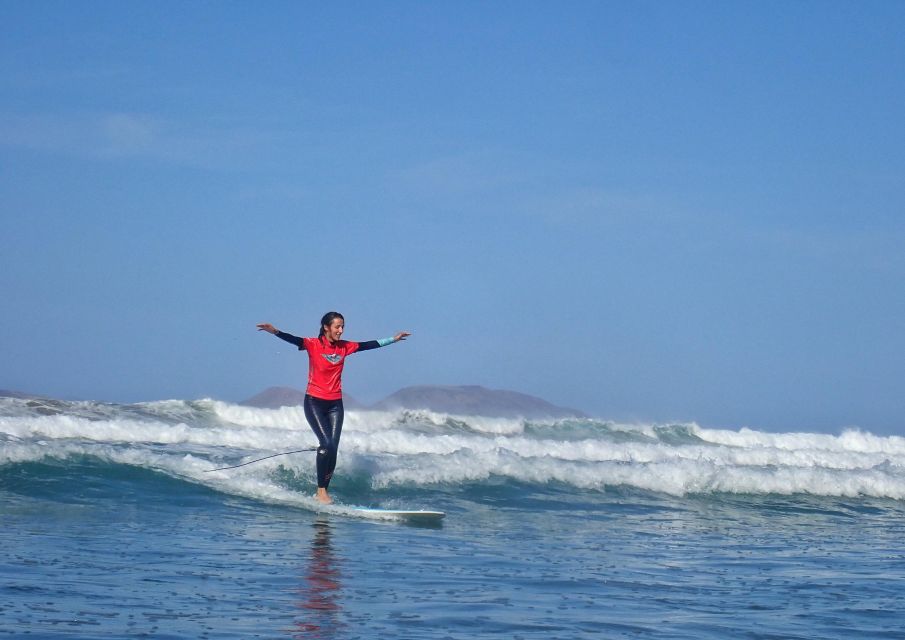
(402, 514)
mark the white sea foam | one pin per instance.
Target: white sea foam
(851, 440)
(187, 439)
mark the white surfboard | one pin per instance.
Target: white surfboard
(419, 515)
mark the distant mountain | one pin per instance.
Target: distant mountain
(475, 400)
(466, 400)
(276, 397)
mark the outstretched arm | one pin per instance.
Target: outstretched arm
(373, 344)
(288, 337)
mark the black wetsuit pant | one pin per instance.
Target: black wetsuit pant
(326, 420)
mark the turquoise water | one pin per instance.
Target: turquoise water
(112, 528)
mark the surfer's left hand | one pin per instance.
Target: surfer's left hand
(402, 335)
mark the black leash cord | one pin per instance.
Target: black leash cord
(285, 453)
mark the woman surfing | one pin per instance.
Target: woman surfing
(324, 397)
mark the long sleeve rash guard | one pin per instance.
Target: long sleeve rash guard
(326, 360)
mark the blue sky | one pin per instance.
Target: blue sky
(649, 211)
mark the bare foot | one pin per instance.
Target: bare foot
(323, 497)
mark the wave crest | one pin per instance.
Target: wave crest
(426, 449)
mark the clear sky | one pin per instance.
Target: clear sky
(650, 211)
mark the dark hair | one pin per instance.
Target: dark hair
(328, 319)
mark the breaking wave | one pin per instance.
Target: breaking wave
(423, 449)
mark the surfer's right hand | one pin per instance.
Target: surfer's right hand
(269, 328)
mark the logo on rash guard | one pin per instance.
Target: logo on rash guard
(332, 358)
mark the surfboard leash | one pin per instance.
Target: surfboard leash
(285, 453)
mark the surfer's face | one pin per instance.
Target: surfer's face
(334, 330)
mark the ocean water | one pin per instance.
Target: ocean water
(113, 526)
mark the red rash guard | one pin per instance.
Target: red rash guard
(325, 366)
(325, 362)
